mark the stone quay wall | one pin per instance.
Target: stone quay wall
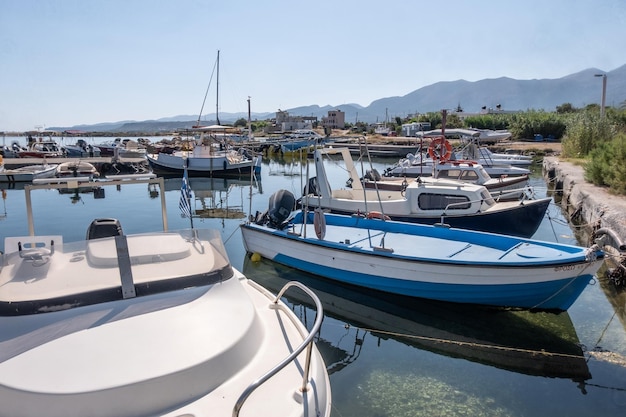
(586, 204)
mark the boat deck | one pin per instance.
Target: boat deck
(401, 244)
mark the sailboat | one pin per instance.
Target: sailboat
(210, 154)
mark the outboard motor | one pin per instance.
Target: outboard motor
(281, 204)
(372, 175)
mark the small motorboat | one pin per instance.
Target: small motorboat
(455, 203)
(527, 342)
(41, 148)
(81, 149)
(153, 324)
(501, 188)
(122, 148)
(76, 169)
(420, 165)
(426, 261)
(26, 173)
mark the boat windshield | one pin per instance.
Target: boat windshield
(42, 274)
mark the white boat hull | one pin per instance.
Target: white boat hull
(154, 324)
(27, 173)
(213, 165)
(434, 267)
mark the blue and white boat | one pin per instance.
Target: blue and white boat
(427, 261)
(527, 342)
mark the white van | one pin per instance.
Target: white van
(305, 134)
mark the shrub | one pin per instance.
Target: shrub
(607, 164)
(527, 125)
(585, 131)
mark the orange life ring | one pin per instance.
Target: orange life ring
(437, 147)
(377, 215)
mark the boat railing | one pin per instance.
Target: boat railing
(522, 193)
(460, 203)
(525, 196)
(76, 182)
(306, 343)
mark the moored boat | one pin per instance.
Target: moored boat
(208, 157)
(527, 342)
(454, 203)
(420, 165)
(122, 148)
(26, 173)
(130, 322)
(41, 148)
(76, 169)
(504, 187)
(81, 149)
(434, 262)
(210, 154)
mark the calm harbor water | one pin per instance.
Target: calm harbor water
(391, 356)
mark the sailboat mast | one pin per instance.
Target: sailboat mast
(249, 121)
(217, 90)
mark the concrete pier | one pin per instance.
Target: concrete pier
(10, 163)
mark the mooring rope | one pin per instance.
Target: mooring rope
(471, 344)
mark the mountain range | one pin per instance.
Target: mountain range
(579, 89)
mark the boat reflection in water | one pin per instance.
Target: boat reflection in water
(539, 344)
(218, 197)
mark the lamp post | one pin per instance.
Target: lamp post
(602, 107)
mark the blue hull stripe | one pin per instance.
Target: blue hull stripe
(558, 295)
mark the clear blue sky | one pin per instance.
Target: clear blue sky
(68, 62)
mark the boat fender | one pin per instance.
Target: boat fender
(319, 223)
(377, 215)
(440, 149)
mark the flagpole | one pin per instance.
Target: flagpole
(185, 195)
(188, 196)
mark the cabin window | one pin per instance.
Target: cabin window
(448, 174)
(427, 201)
(469, 176)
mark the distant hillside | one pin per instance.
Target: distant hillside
(579, 89)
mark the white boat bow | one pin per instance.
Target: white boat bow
(156, 324)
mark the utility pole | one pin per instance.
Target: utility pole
(603, 105)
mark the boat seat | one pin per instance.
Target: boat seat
(104, 227)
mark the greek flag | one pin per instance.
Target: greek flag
(185, 196)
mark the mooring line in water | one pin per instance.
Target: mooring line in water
(231, 235)
(603, 332)
(474, 344)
